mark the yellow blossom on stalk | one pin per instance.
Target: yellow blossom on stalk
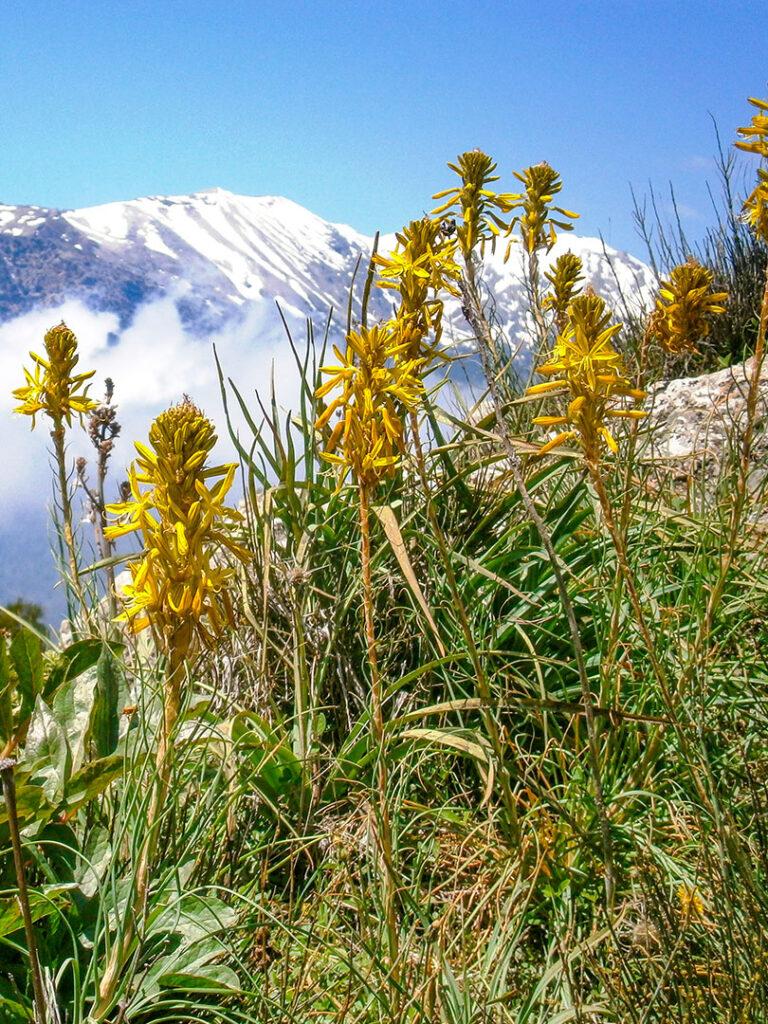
(537, 226)
(419, 269)
(478, 206)
(53, 387)
(756, 134)
(587, 369)
(564, 277)
(691, 904)
(682, 305)
(184, 523)
(376, 380)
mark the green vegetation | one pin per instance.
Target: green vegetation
(462, 719)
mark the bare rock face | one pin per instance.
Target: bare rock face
(695, 425)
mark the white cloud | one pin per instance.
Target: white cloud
(152, 366)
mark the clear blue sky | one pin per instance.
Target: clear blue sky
(353, 108)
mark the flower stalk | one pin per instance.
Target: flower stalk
(179, 589)
(54, 389)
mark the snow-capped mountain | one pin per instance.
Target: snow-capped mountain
(220, 256)
(148, 284)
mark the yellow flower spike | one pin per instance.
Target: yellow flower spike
(683, 304)
(420, 268)
(564, 278)
(375, 385)
(757, 132)
(478, 206)
(755, 209)
(589, 369)
(183, 522)
(536, 223)
(54, 387)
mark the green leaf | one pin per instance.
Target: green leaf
(92, 779)
(7, 688)
(107, 705)
(27, 659)
(206, 978)
(72, 708)
(72, 661)
(11, 1010)
(11, 919)
(47, 751)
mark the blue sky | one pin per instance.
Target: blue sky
(353, 109)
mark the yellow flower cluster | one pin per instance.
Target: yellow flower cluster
(564, 277)
(682, 306)
(475, 202)
(182, 520)
(53, 387)
(586, 367)
(537, 226)
(376, 379)
(421, 267)
(756, 134)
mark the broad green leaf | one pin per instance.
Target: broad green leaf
(92, 779)
(72, 707)
(7, 689)
(47, 751)
(27, 659)
(97, 856)
(77, 658)
(107, 705)
(206, 978)
(11, 919)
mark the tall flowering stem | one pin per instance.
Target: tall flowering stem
(472, 307)
(536, 223)
(54, 389)
(420, 271)
(180, 590)
(378, 379)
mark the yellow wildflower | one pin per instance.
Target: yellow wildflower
(756, 134)
(683, 303)
(420, 268)
(53, 387)
(691, 904)
(184, 524)
(537, 226)
(564, 277)
(376, 381)
(478, 206)
(587, 369)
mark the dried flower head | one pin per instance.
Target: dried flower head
(377, 381)
(587, 369)
(564, 277)
(537, 225)
(53, 387)
(478, 205)
(184, 524)
(682, 306)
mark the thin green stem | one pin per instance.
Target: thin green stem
(384, 825)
